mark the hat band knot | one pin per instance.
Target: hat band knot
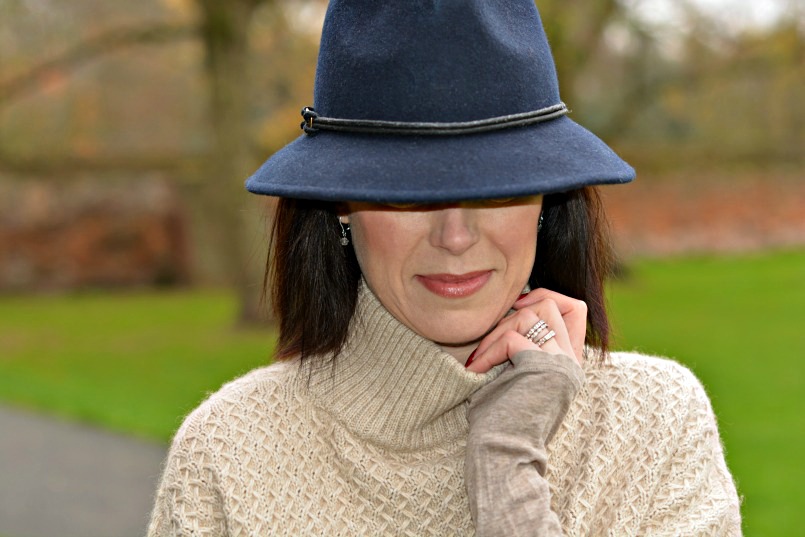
(314, 123)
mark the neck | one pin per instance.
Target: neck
(392, 387)
(460, 352)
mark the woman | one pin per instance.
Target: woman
(420, 386)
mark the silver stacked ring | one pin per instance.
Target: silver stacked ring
(545, 338)
(536, 329)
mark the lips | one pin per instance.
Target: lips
(455, 285)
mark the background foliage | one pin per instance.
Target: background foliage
(199, 92)
(195, 93)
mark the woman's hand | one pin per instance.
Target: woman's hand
(566, 316)
(513, 417)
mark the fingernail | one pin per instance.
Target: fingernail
(470, 359)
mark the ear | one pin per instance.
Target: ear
(342, 211)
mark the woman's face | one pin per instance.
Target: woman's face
(449, 272)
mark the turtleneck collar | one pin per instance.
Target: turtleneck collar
(391, 386)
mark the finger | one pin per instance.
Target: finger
(497, 352)
(523, 320)
(520, 324)
(519, 321)
(560, 343)
(552, 345)
(547, 310)
(573, 311)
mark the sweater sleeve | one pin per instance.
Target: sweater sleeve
(511, 420)
(187, 503)
(697, 495)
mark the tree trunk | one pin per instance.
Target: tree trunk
(233, 217)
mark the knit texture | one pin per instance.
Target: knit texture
(511, 420)
(374, 444)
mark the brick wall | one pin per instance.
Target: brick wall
(91, 234)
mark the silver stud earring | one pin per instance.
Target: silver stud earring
(539, 223)
(344, 230)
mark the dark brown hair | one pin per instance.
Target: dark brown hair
(575, 256)
(313, 280)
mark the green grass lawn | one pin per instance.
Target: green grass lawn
(130, 362)
(138, 362)
(739, 323)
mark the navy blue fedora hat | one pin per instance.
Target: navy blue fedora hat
(436, 100)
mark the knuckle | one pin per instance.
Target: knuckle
(512, 338)
(527, 316)
(511, 335)
(550, 303)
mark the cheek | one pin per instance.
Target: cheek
(363, 243)
(378, 248)
(522, 258)
(519, 243)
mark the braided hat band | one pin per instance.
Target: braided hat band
(314, 123)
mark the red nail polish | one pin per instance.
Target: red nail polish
(522, 296)
(469, 360)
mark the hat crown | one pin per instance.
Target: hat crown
(433, 60)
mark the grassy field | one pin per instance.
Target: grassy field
(138, 362)
(738, 323)
(131, 362)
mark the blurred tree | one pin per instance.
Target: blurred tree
(216, 169)
(52, 73)
(581, 36)
(201, 90)
(575, 30)
(226, 44)
(726, 97)
(678, 86)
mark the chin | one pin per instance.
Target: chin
(456, 337)
(457, 327)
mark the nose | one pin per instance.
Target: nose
(454, 229)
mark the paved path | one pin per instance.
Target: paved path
(66, 480)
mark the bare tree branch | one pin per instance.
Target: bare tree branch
(88, 50)
(71, 165)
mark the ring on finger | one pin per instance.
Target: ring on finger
(536, 329)
(550, 335)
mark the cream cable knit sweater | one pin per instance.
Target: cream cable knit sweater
(375, 445)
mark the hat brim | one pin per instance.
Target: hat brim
(554, 156)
